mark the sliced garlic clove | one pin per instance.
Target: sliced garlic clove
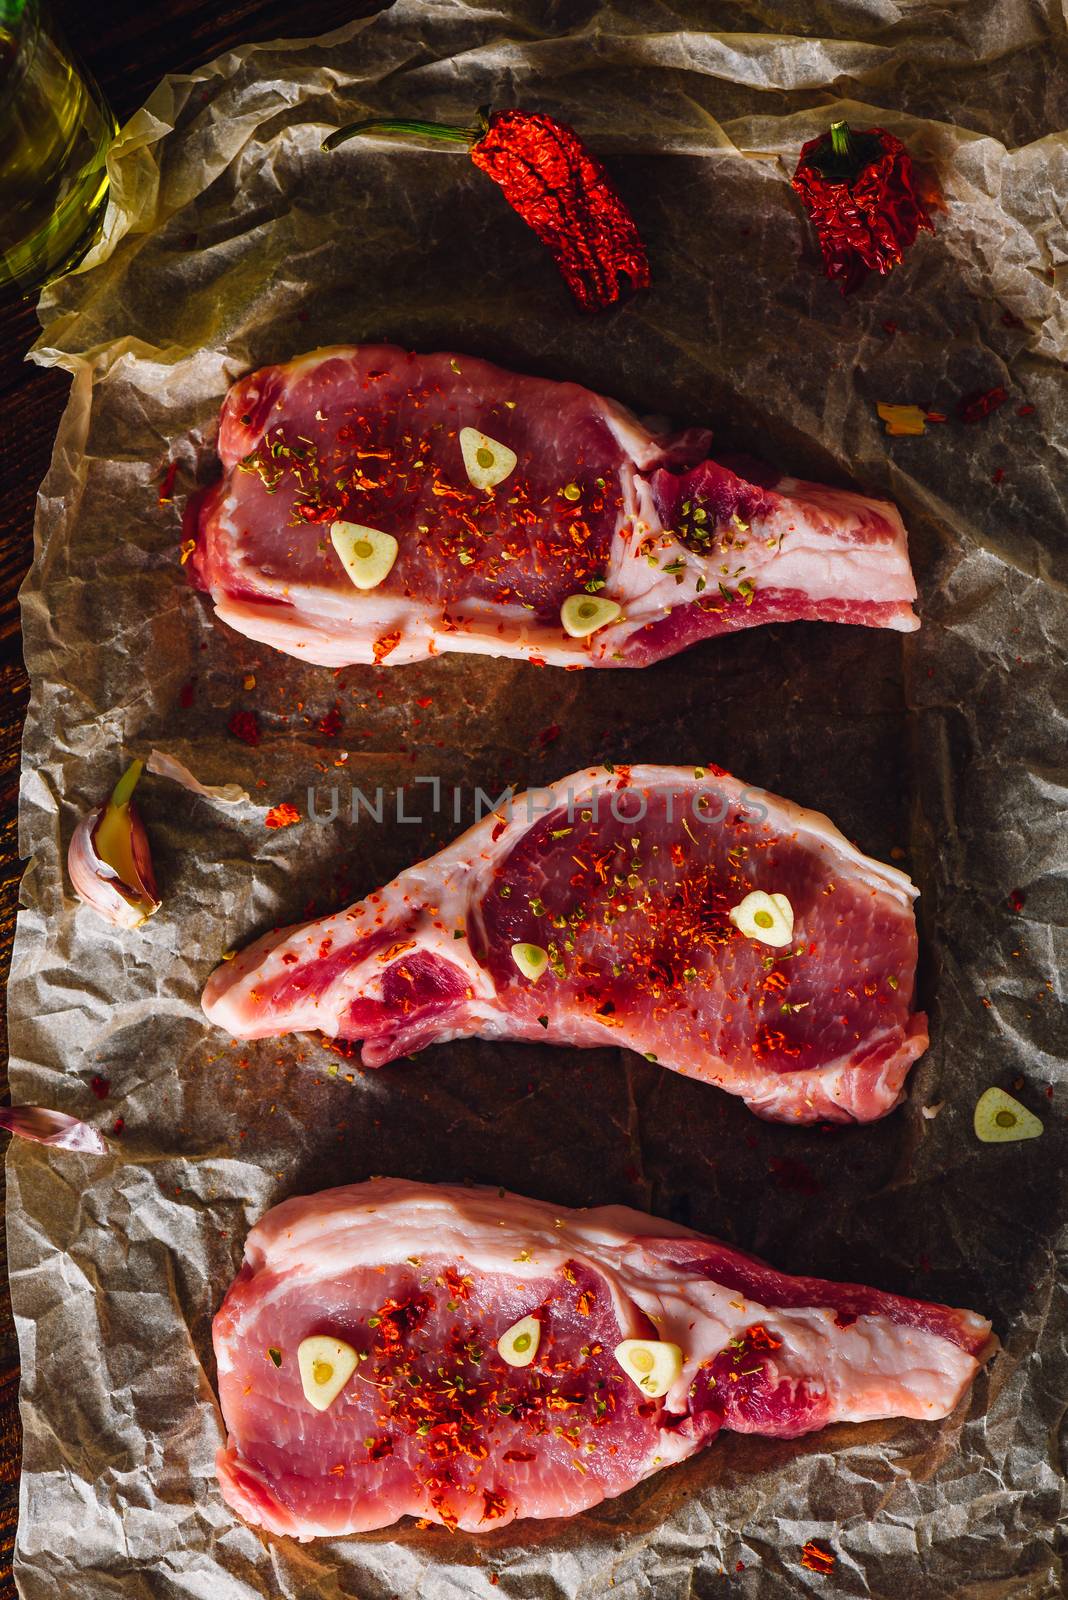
(519, 1345)
(366, 554)
(766, 917)
(653, 1364)
(325, 1367)
(487, 462)
(109, 859)
(583, 614)
(999, 1119)
(531, 960)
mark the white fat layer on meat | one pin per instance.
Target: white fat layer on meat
(869, 1369)
(430, 901)
(817, 541)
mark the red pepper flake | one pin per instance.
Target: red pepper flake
(424, 700)
(186, 694)
(385, 646)
(890, 328)
(1025, 411)
(996, 476)
(817, 1557)
(1016, 899)
(245, 725)
(166, 486)
(282, 816)
(858, 189)
(118, 1125)
(378, 1449)
(101, 1087)
(330, 725)
(558, 187)
(980, 403)
(760, 1339)
(494, 1504)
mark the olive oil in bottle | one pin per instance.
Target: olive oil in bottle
(55, 128)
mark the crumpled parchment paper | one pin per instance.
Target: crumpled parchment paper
(233, 241)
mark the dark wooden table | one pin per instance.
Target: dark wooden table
(128, 46)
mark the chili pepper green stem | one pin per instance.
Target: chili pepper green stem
(841, 142)
(439, 132)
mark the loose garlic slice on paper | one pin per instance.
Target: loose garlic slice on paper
(999, 1119)
(583, 614)
(767, 917)
(519, 1344)
(326, 1365)
(487, 462)
(367, 554)
(531, 960)
(653, 1364)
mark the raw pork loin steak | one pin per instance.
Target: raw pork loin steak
(672, 547)
(623, 908)
(453, 1413)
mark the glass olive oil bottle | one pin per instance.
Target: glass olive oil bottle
(55, 128)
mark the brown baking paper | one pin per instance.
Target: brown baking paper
(231, 241)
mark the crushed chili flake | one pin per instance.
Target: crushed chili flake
(281, 816)
(118, 1125)
(817, 1557)
(245, 725)
(166, 486)
(385, 646)
(980, 403)
(101, 1087)
(760, 1339)
(330, 725)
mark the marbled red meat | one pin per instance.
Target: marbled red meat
(595, 504)
(423, 1280)
(625, 880)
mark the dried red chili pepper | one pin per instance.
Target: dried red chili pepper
(858, 190)
(557, 186)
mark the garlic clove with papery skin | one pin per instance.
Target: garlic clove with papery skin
(109, 860)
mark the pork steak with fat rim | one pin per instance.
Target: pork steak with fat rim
(623, 884)
(595, 508)
(421, 1282)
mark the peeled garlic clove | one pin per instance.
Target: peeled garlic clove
(767, 917)
(487, 462)
(531, 960)
(583, 614)
(109, 860)
(999, 1119)
(325, 1367)
(519, 1345)
(653, 1364)
(367, 554)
